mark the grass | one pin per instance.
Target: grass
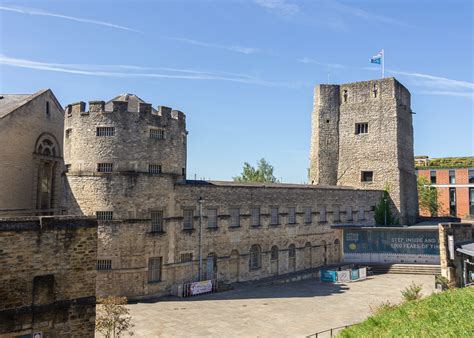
(446, 314)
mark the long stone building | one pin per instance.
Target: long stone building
(126, 165)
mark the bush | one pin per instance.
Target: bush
(381, 308)
(412, 292)
(113, 318)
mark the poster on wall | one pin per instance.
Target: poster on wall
(201, 287)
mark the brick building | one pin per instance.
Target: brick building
(455, 190)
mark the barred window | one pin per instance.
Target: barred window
(234, 217)
(308, 217)
(212, 218)
(274, 253)
(104, 167)
(336, 214)
(157, 134)
(361, 215)
(255, 217)
(274, 216)
(361, 128)
(186, 257)
(154, 269)
(105, 131)
(188, 219)
(157, 221)
(322, 214)
(255, 259)
(154, 169)
(104, 215)
(68, 132)
(104, 264)
(349, 214)
(292, 215)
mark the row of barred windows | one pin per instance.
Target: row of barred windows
(153, 133)
(108, 167)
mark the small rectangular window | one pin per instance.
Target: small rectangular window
(188, 219)
(452, 202)
(212, 218)
(361, 215)
(234, 217)
(336, 215)
(471, 201)
(157, 134)
(367, 176)
(308, 216)
(157, 221)
(291, 215)
(154, 269)
(105, 131)
(68, 132)
(104, 264)
(104, 167)
(349, 214)
(433, 176)
(274, 216)
(361, 128)
(470, 174)
(104, 215)
(67, 167)
(186, 257)
(322, 214)
(154, 169)
(255, 217)
(452, 177)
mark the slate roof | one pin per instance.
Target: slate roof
(132, 99)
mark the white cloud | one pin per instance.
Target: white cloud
(232, 48)
(33, 11)
(447, 93)
(281, 7)
(121, 71)
(316, 62)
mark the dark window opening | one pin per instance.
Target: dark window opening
(47, 108)
(345, 95)
(452, 201)
(433, 176)
(367, 176)
(471, 201)
(470, 174)
(361, 128)
(375, 90)
(452, 177)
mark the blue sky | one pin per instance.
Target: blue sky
(244, 71)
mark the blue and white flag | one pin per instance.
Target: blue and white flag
(377, 58)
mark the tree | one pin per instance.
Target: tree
(427, 196)
(113, 318)
(263, 173)
(383, 214)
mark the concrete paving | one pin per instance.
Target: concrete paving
(295, 309)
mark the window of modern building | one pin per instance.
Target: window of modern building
(452, 201)
(367, 176)
(212, 218)
(104, 264)
(255, 259)
(186, 257)
(470, 174)
(105, 167)
(157, 134)
(105, 131)
(471, 201)
(156, 221)
(452, 177)
(361, 214)
(104, 215)
(336, 215)
(308, 216)
(154, 269)
(274, 253)
(349, 214)
(433, 176)
(154, 169)
(255, 217)
(234, 217)
(322, 214)
(274, 216)
(291, 215)
(188, 219)
(361, 128)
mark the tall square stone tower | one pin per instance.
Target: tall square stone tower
(362, 136)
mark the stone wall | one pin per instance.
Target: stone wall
(47, 276)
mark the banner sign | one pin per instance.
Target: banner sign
(412, 242)
(355, 274)
(201, 287)
(328, 276)
(343, 276)
(362, 273)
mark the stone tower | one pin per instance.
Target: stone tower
(362, 136)
(123, 157)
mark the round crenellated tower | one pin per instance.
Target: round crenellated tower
(122, 155)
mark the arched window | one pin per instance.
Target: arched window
(46, 147)
(47, 153)
(255, 259)
(274, 253)
(291, 251)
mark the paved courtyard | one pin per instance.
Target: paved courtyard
(293, 310)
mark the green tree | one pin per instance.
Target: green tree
(427, 196)
(383, 214)
(113, 317)
(263, 173)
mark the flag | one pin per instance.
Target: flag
(377, 58)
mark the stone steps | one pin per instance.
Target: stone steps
(412, 269)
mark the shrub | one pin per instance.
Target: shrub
(412, 292)
(113, 318)
(383, 307)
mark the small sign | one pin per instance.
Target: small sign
(201, 287)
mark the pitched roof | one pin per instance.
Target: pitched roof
(11, 102)
(467, 249)
(132, 99)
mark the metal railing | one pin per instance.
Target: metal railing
(329, 332)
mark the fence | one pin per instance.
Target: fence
(329, 332)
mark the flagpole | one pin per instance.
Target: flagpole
(383, 63)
